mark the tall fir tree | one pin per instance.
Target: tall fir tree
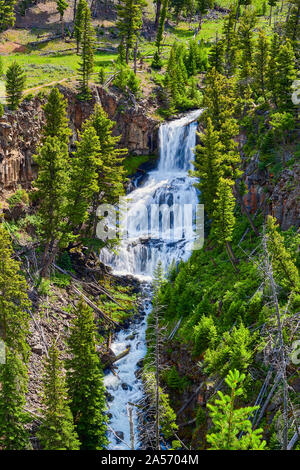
(230, 44)
(285, 269)
(14, 303)
(14, 329)
(52, 186)
(223, 216)
(272, 68)
(161, 26)
(61, 6)
(14, 84)
(56, 117)
(86, 162)
(111, 174)
(246, 45)
(7, 14)
(13, 417)
(78, 23)
(57, 431)
(286, 74)
(261, 59)
(85, 381)
(86, 65)
(130, 21)
(216, 55)
(207, 165)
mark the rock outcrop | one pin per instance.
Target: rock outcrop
(20, 132)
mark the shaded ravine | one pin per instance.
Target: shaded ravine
(151, 237)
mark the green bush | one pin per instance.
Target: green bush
(20, 197)
(205, 335)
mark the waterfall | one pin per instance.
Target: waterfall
(161, 212)
(160, 226)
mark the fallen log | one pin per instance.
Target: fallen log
(112, 360)
(94, 307)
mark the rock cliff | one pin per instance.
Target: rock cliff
(20, 132)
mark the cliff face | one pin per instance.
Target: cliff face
(20, 132)
(278, 197)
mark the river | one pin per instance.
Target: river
(160, 226)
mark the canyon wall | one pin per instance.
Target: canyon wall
(20, 132)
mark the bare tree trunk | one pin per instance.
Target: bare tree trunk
(135, 56)
(231, 256)
(131, 427)
(281, 345)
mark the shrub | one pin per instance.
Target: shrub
(205, 335)
(20, 197)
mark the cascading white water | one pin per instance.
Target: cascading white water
(154, 232)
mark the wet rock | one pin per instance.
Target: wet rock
(109, 397)
(131, 337)
(126, 386)
(140, 363)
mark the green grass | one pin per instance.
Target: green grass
(133, 162)
(45, 69)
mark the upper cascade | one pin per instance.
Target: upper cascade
(161, 212)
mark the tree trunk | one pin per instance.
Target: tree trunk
(135, 56)
(158, 8)
(231, 256)
(74, 11)
(270, 18)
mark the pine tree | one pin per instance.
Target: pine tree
(230, 44)
(207, 165)
(78, 22)
(15, 84)
(284, 267)
(223, 216)
(87, 53)
(85, 381)
(56, 117)
(14, 329)
(111, 175)
(13, 418)
(52, 185)
(216, 55)
(286, 74)
(61, 6)
(246, 45)
(86, 162)
(273, 67)
(130, 20)
(57, 431)
(161, 26)
(260, 68)
(232, 428)
(218, 99)
(7, 14)
(14, 303)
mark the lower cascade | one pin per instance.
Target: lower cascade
(159, 227)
